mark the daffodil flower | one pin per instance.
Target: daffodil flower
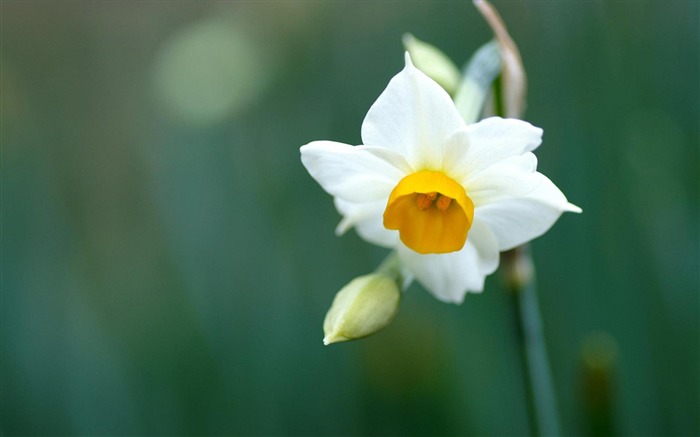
(446, 195)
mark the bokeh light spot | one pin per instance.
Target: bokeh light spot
(208, 71)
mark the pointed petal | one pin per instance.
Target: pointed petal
(488, 142)
(354, 173)
(450, 276)
(433, 62)
(511, 177)
(413, 116)
(518, 219)
(367, 218)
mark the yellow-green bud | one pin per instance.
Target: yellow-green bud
(433, 62)
(364, 306)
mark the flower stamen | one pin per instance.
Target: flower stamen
(421, 227)
(443, 202)
(424, 200)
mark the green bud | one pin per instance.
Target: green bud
(364, 306)
(479, 75)
(433, 62)
(599, 382)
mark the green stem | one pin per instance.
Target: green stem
(542, 406)
(391, 266)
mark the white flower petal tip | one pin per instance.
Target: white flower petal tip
(433, 62)
(570, 207)
(407, 59)
(518, 218)
(344, 225)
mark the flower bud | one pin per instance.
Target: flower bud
(479, 75)
(433, 62)
(364, 306)
(598, 382)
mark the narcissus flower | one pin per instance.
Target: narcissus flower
(446, 195)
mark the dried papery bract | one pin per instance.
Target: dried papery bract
(513, 77)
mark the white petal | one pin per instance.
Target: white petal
(488, 142)
(513, 176)
(519, 219)
(368, 219)
(450, 276)
(354, 173)
(413, 116)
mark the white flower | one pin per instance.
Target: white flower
(447, 196)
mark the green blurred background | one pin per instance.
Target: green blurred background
(167, 262)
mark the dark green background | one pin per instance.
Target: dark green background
(167, 264)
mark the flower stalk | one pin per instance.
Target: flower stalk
(541, 401)
(509, 100)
